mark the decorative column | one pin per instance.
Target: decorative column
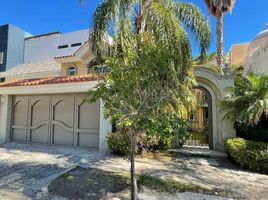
(5, 117)
(105, 128)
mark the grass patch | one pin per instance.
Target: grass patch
(160, 156)
(172, 187)
(169, 186)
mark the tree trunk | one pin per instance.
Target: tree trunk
(134, 195)
(220, 55)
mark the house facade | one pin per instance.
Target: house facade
(42, 100)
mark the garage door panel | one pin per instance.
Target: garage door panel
(62, 137)
(20, 110)
(19, 134)
(39, 120)
(40, 134)
(88, 115)
(40, 110)
(88, 140)
(63, 110)
(63, 120)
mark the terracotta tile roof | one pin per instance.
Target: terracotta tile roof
(51, 80)
(64, 56)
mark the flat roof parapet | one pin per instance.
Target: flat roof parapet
(43, 35)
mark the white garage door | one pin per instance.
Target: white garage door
(58, 119)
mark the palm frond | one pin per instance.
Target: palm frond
(249, 99)
(107, 11)
(222, 6)
(196, 24)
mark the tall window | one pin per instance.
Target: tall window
(72, 70)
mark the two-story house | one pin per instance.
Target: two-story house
(43, 102)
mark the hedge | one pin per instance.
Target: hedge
(248, 154)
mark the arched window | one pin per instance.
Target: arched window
(72, 70)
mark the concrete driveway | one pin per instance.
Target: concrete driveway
(26, 170)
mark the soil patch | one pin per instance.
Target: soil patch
(88, 184)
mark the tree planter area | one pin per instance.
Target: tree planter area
(96, 184)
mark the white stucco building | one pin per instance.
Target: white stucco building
(256, 60)
(253, 56)
(48, 46)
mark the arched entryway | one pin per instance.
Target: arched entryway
(201, 119)
(212, 87)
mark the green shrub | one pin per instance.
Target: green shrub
(157, 135)
(170, 129)
(163, 143)
(249, 154)
(119, 142)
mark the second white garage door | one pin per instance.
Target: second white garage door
(58, 119)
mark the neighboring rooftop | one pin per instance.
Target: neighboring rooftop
(33, 67)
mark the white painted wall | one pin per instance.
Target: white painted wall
(105, 128)
(257, 58)
(258, 61)
(46, 48)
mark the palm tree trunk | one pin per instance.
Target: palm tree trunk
(139, 17)
(220, 55)
(134, 195)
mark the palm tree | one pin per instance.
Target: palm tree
(166, 23)
(249, 100)
(217, 8)
(148, 13)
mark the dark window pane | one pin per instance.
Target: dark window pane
(72, 71)
(76, 44)
(63, 46)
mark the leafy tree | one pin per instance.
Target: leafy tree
(150, 61)
(217, 8)
(249, 99)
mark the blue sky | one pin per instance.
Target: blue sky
(42, 16)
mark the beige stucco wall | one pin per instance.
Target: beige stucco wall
(238, 53)
(80, 67)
